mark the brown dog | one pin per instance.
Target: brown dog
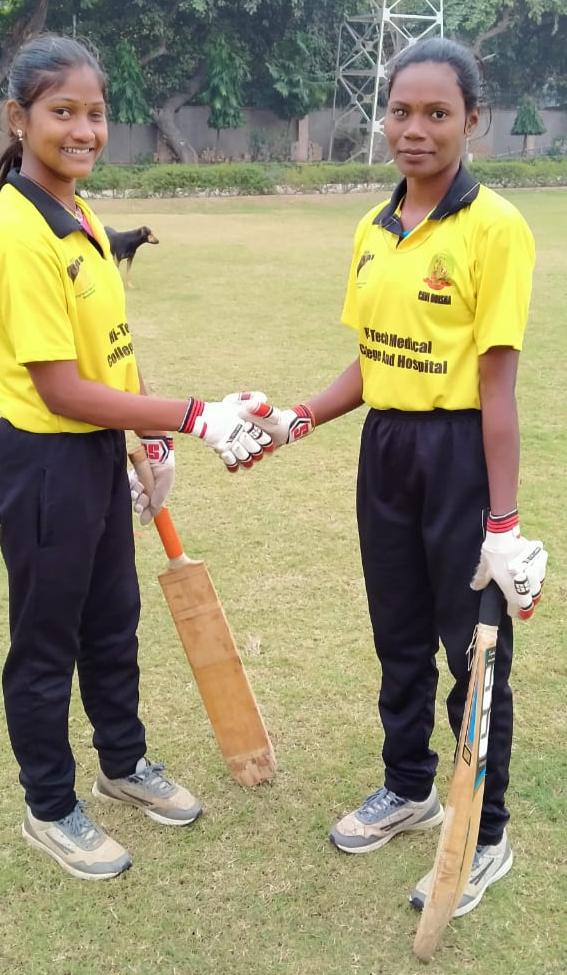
(125, 243)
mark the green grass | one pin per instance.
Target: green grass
(248, 294)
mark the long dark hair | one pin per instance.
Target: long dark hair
(468, 69)
(39, 65)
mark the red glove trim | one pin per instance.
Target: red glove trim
(194, 409)
(305, 412)
(158, 449)
(503, 523)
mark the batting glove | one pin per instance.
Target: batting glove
(239, 443)
(516, 564)
(140, 500)
(283, 426)
(162, 462)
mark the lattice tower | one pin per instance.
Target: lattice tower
(367, 44)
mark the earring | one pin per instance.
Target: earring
(20, 135)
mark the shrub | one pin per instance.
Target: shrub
(543, 171)
(262, 178)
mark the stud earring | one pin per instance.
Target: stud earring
(20, 135)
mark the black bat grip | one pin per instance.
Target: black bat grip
(491, 605)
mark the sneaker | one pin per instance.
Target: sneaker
(160, 798)
(81, 847)
(381, 816)
(489, 865)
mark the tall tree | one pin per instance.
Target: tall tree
(525, 40)
(160, 52)
(223, 90)
(165, 38)
(299, 82)
(127, 84)
(19, 21)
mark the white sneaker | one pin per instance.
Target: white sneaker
(489, 865)
(80, 846)
(160, 798)
(381, 816)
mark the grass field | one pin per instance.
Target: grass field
(247, 293)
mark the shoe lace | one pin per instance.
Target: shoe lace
(381, 800)
(78, 824)
(479, 853)
(477, 856)
(151, 777)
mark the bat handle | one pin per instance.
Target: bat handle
(490, 605)
(169, 537)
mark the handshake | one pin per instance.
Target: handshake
(243, 426)
(240, 429)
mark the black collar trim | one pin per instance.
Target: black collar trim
(463, 190)
(60, 221)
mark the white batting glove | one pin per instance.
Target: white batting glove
(283, 426)
(239, 443)
(516, 564)
(249, 397)
(162, 462)
(140, 500)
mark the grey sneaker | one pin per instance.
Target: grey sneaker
(160, 798)
(381, 816)
(489, 865)
(80, 846)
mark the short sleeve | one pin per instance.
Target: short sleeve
(33, 304)
(350, 308)
(503, 272)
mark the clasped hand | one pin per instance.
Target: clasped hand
(240, 429)
(239, 442)
(282, 426)
(516, 564)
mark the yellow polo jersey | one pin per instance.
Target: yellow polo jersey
(61, 299)
(427, 305)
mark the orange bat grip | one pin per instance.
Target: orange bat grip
(167, 533)
(166, 528)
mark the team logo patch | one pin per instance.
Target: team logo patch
(440, 273)
(74, 268)
(366, 257)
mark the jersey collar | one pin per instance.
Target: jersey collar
(60, 222)
(463, 190)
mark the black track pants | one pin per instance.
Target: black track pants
(421, 496)
(66, 537)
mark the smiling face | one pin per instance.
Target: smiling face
(426, 121)
(64, 131)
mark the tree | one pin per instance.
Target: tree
(19, 21)
(127, 85)
(525, 40)
(299, 84)
(174, 41)
(530, 59)
(529, 123)
(163, 54)
(165, 39)
(226, 73)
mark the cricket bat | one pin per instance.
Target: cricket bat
(212, 653)
(459, 832)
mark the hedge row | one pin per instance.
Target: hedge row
(269, 178)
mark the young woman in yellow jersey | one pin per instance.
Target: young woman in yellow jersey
(69, 387)
(438, 293)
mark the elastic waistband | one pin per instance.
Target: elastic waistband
(105, 433)
(426, 415)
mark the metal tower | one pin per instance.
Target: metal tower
(367, 44)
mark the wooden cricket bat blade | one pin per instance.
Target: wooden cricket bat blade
(219, 673)
(211, 651)
(459, 832)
